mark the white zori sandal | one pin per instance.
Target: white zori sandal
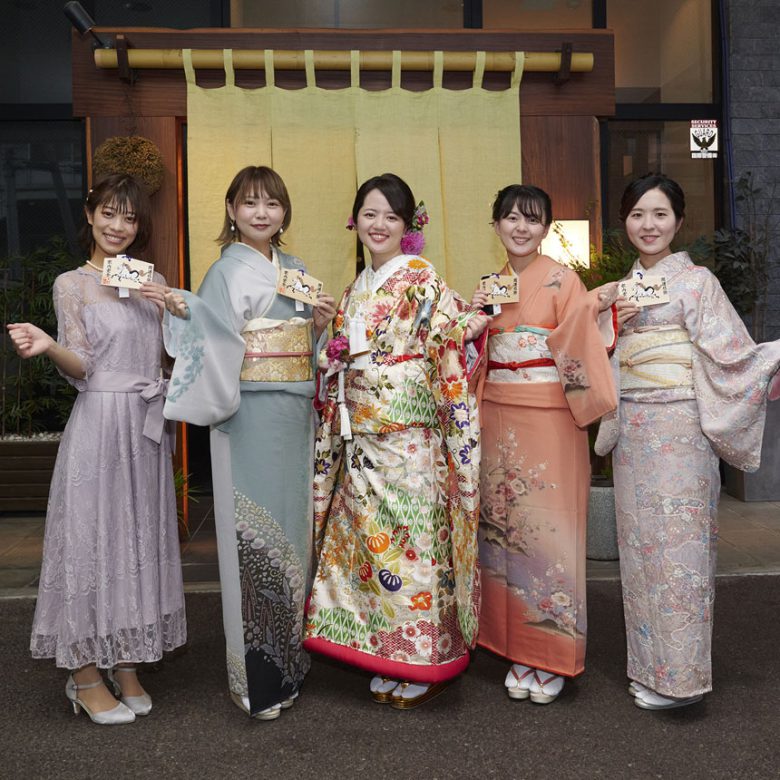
(518, 681)
(545, 687)
(650, 700)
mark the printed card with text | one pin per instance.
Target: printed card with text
(500, 289)
(124, 271)
(645, 290)
(298, 285)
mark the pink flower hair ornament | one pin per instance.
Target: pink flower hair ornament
(413, 240)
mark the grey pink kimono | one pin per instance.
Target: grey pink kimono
(693, 387)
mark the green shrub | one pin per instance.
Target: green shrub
(34, 396)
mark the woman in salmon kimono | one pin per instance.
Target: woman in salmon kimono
(546, 379)
(692, 387)
(245, 367)
(397, 465)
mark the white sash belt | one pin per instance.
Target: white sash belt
(655, 357)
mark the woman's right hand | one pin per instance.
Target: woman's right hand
(176, 305)
(480, 299)
(625, 311)
(29, 340)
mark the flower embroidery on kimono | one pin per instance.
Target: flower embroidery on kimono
(422, 600)
(410, 630)
(465, 452)
(321, 466)
(459, 414)
(444, 645)
(378, 312)
(572, 373)
(555, 279)
(423, 645)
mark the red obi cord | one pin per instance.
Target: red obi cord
(392, 360)
(536, 363)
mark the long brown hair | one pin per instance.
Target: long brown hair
(253, 181)
(127, 195)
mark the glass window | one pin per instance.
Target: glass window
(637, 148)
(34, 54)
(35, 40)
(40, 184)
(537, 14)
(411, 14)
(663, 50)
(154, 13)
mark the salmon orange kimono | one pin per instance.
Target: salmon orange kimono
(547, 378)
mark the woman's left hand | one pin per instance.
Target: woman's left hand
(155, 293)
(475, 326)
(607, 294)
(323, 312)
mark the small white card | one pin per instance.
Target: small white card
(644, 290)
(126, 272)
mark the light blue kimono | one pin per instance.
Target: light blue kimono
(262, 466)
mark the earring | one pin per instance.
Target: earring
(232, 226)
(281, 230)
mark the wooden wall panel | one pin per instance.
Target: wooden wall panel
(163, 93)
(561, 154)
(165, 246)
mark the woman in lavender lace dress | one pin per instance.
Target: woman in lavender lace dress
(110, 593)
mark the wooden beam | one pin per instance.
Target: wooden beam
(163, 92)
(249, 59)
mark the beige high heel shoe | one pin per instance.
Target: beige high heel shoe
(140, 705)
(113, 717)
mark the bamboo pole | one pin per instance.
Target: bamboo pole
(254, 59)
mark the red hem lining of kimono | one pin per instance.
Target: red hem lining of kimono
(480, 344)
(615, 329)
(549, 669)
(395, 670)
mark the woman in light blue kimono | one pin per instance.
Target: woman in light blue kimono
(245, 367)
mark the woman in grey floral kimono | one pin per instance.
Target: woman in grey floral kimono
(693, 387)
(245, 368)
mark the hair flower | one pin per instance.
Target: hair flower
(413, 240)
(412, 243)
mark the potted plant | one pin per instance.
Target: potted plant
(35, 400)
(741, 263)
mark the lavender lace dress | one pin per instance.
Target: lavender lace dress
(111, 585)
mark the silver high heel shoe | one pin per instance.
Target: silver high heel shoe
(270, 713)
(113, 717)
(140, 705)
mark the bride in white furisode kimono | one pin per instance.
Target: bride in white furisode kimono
(244, 366)
(397, 465)
(693, 387)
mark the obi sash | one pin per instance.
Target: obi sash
(521, 356)
(655, 357)
(277, 350)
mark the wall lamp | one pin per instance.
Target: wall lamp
(83, 22)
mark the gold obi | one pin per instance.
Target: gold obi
(277, 350)
(655, 357)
